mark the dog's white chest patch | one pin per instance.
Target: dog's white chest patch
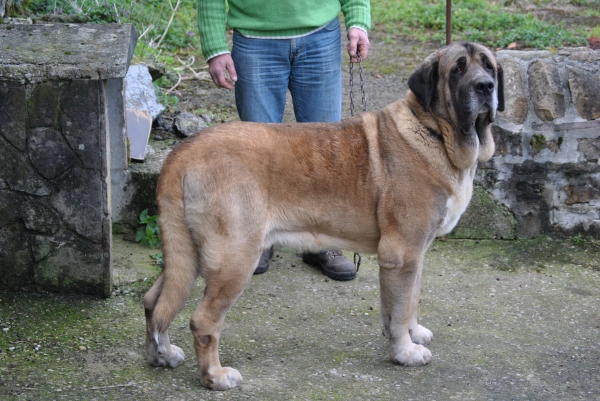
(456, 205)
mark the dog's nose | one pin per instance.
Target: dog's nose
(485, 86)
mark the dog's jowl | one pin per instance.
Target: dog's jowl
(385, 183)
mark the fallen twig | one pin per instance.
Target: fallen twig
(176, 85)
(197, 78)
(187, 64)
(201, 76)
(146, 31)
(113, 386)
(117, 13)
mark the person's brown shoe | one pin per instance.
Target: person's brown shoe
(332, 264)
(263, 263)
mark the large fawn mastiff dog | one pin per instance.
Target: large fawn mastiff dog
(386, 182)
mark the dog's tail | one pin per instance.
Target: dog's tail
(180, 255)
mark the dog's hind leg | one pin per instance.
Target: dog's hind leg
(170, 291)
(226, 214)
(224, 285)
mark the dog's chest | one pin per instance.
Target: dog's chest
(457, 203)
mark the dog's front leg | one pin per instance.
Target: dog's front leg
(399, 275)
(418, 334)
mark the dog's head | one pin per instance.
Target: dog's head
(461, 85)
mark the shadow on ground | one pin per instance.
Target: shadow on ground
(511, 320)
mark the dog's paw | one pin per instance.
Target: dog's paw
(421, 335)
(224, 379)
(413, 355)
(169, 356)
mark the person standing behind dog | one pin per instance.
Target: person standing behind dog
(280, 45)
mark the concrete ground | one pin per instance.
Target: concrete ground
(512, 320)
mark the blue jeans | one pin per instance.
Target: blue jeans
(310, 67)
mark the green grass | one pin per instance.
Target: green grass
(168, 36)
(476, 20)
(149, 16)
(483, 21)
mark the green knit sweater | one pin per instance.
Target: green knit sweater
(273, 18)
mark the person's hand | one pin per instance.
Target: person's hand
(217, 67)
(358, 41)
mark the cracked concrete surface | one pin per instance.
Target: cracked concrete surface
(511, 320)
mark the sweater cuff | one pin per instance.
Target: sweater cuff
(215, 55)
(359, 27)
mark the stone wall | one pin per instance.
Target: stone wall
(61, 112)
(545, 176)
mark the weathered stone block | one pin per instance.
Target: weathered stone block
(485, 218)
(507, 142)
(44, 105)
(39, 216)
(526, 55)
(528, 190)
(577, 171)
(582, 193)
(18, 173)
(585, 87)
(50, 153)
(145, 197)
(82, 121)
(66, 269)
(13, 114)
(10, 203)
(64, 52)
(529, 224)
(140, 91)
(516, 99)
(79, 200)
(42, 245)
(188, 124)
(15, 259)
(546, 91)
(590, 147)
(529, 193)
(61, 110)
(583, 54)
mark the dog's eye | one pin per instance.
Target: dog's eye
(487, 64)
(460, 66)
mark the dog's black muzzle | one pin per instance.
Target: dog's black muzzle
(485, 87)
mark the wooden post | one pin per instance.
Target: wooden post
(448, 22)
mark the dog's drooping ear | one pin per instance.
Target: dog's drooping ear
(423, 83)
(500, 88)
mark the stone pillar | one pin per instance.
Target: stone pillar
(61, 139)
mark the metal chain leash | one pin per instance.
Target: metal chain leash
(362, 86)
(357, 257)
